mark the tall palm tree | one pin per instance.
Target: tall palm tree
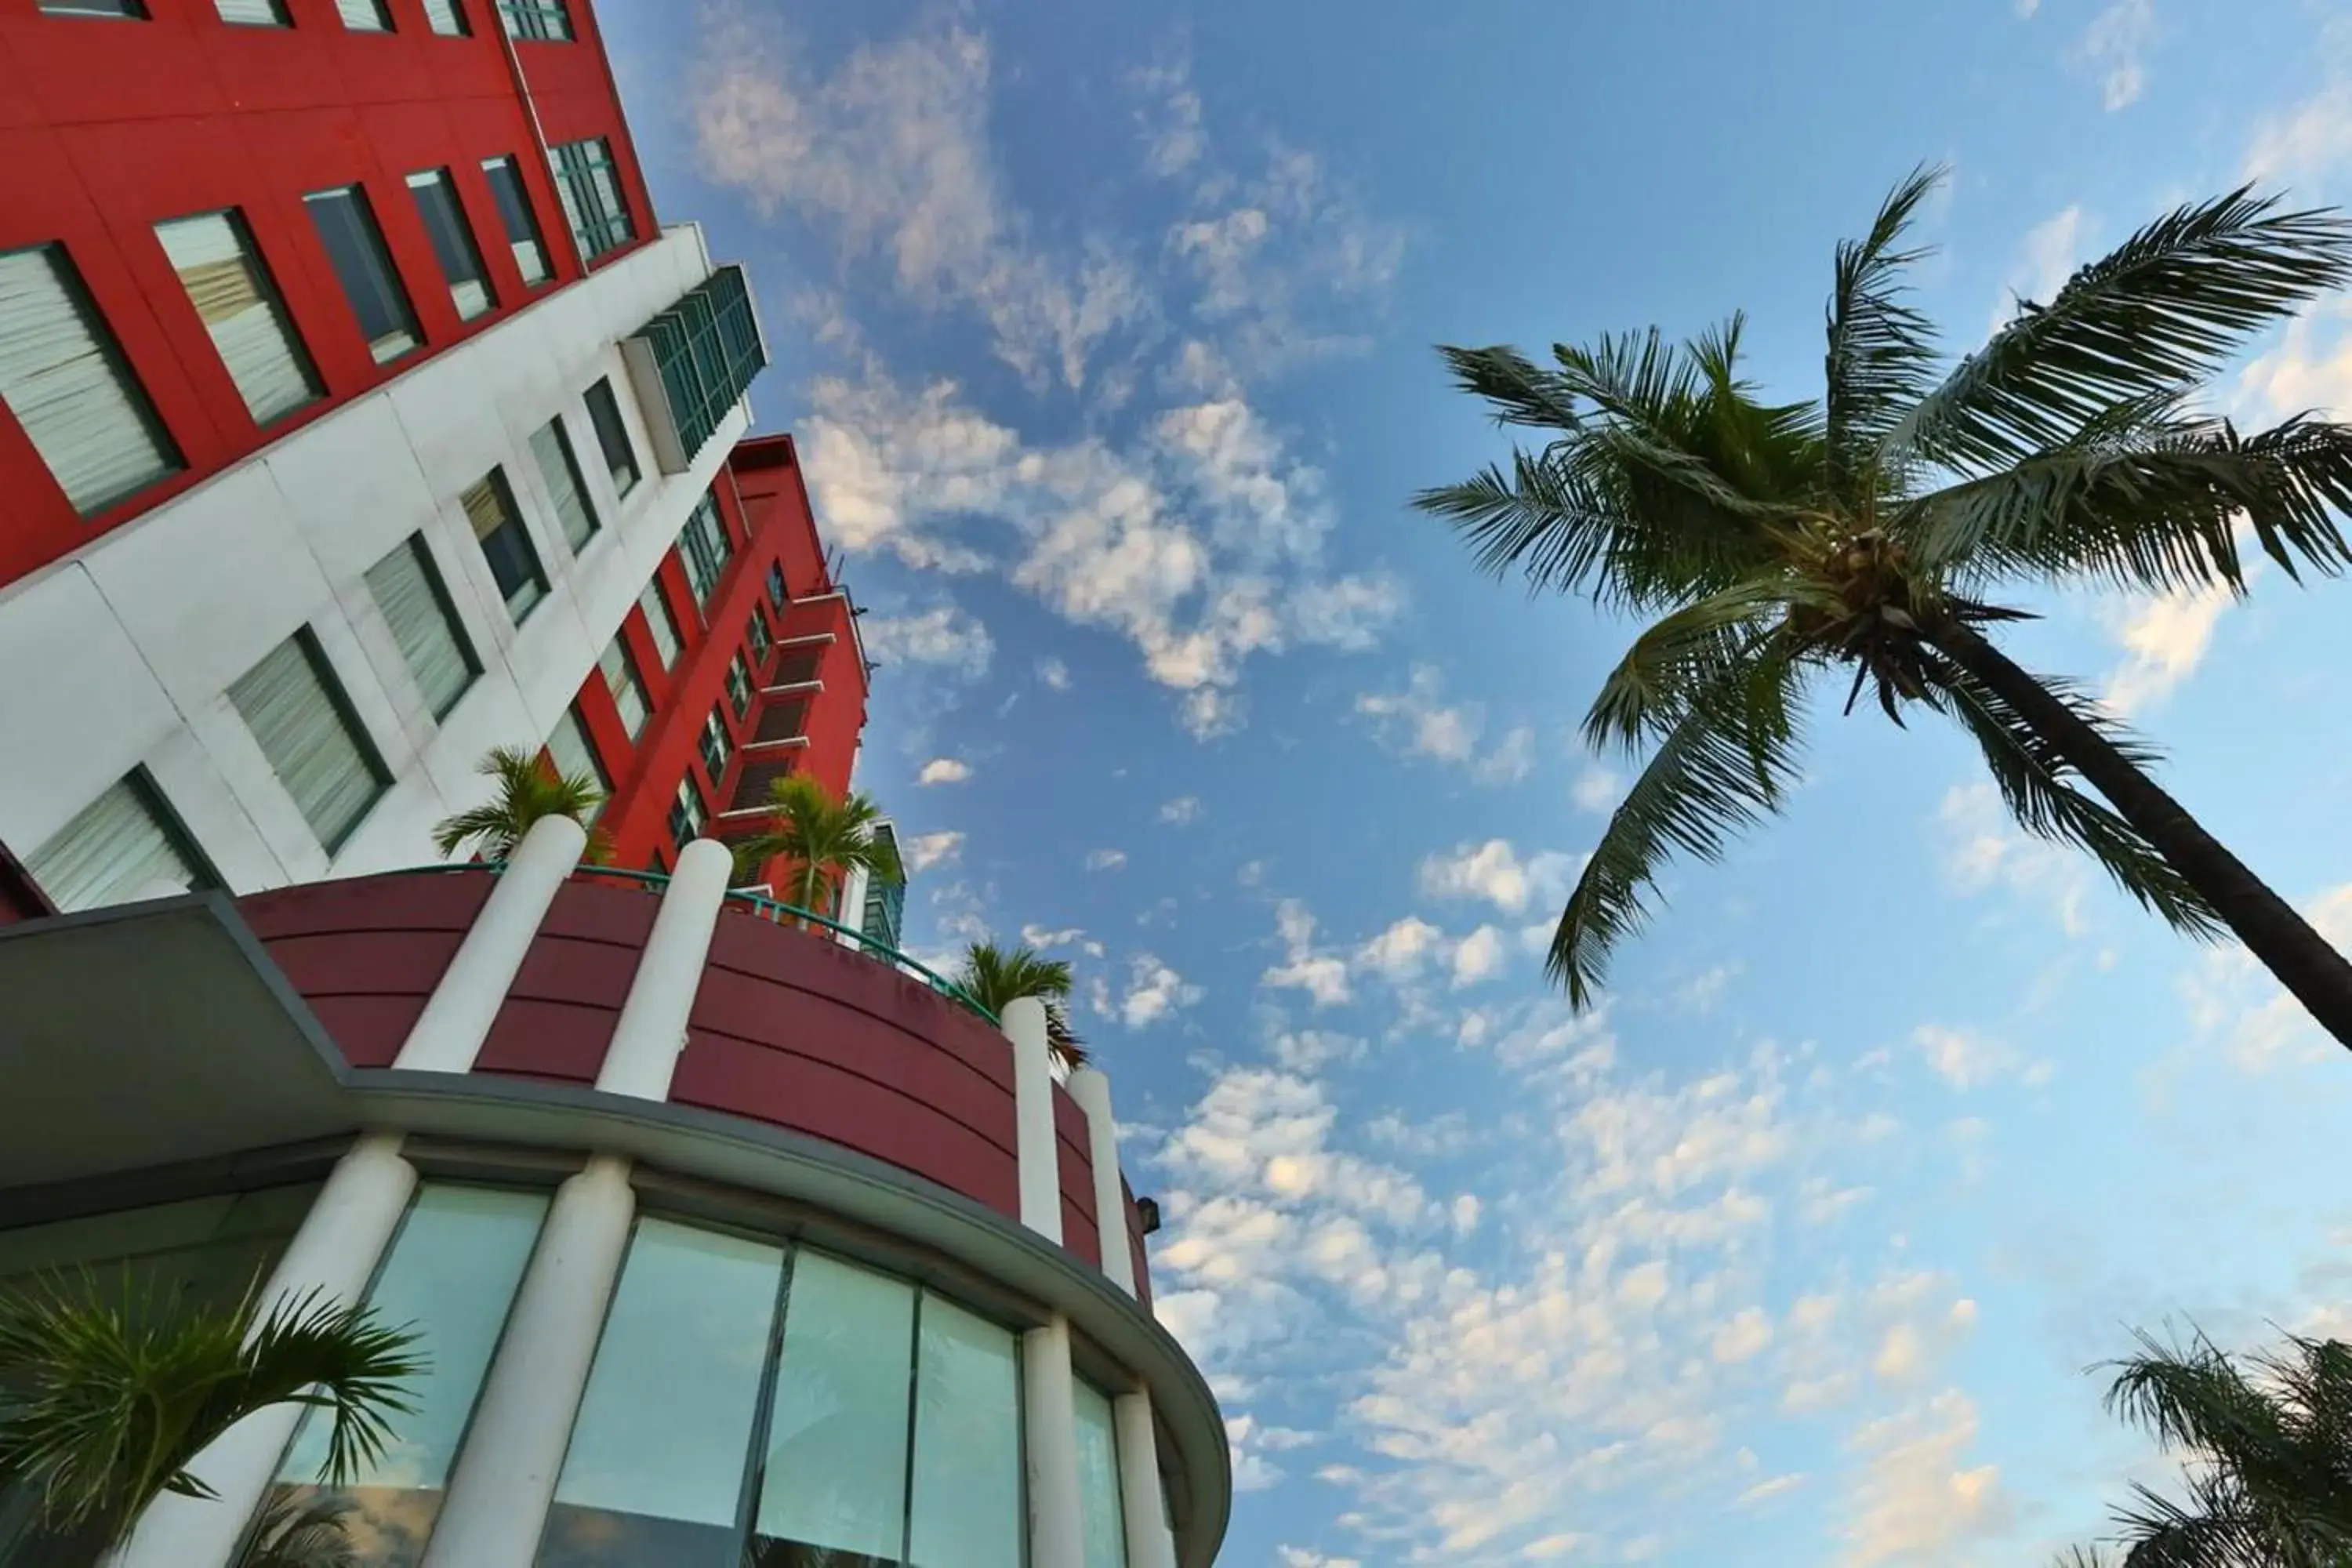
(113, 1396)
(994, 976)
(528, 789)
(824, 838)
(1863, 532)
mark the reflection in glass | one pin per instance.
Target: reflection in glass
(654, 1474)
(451, 1273)
(966, 1510)
(1100, 1515)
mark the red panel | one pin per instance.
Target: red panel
(557, 1020)
(366, 952)
(370, 1030)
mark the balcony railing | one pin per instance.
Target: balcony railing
(693, 363)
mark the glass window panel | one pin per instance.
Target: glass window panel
(716, 745)
(121, 845)
(453, 240)
(515, 214)
(660, 622)
(628, 687)
(416, 604)
(63, 377)
(967, 1505)
(654, 1474)
(706, 547)
(776, 586)
(506, 544)
(364, 16)
(687, 812)
(835, 1475)
(297, 719)
(551, 448)
(130, 8)
(253, 12)
(568, 747)
(739, 686)
(204, 1251)
(355, 248)
(543, 19)
(756, 632)
(590, 189)
(232, 291)
(451, 1273)
(447, 18)
(612, 437)
(1099, 1519)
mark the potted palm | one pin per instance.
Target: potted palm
(528, 789)
(994, 976)
(823, 839)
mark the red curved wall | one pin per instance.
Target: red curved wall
(365, 954)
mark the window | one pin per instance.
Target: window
(130, 8)
(739, 686)
(836, 1454)
(451, 1273)
(514, 213)
(544, 19)
(453, 241)
(296, 711)
(756, 631)
(347, 227)
(786, 720)
(628, 689)
(590, 189)
(223, 272)
(659, 623)
(123, 844)
(686, 817)
(63, 377)
(364, 16)
(447, 17)
(506, 544)
(253, 12)
(706, 547)
(967, 1474)
(776, 586)
(612, 438)
(716, 747)
(1100, 1524)
(798, 666)
(416, 604)
(551, 448)
(568, 748)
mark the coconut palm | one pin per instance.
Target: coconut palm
(529, 788)
(823, 840)
(113, 1396)
(994, 976)
(1863, 533)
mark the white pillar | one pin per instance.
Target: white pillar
(1049, 1433)
(1091, 1089)
(506, 1474)
(335, 1252)
(1032, 1117)
(853, 906)
(1149, 1543)
(651, 1030)
(457, 1016)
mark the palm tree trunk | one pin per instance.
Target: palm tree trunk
(2281, 940)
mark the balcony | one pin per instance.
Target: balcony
(693, 363)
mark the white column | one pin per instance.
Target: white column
(1149, 1543)
(1032, 1118)
(853, 905)
(651, 1030)
(1049, 1433)
(505, 1479)
(457, 1016)
(335, 1252)
(1091, 1089)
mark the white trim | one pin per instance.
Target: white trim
(804, 638)
(1023, 1021)
(793, 687)
(1049, 1431)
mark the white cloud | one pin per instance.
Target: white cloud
(1418, 721)
(926, 851)
(1043, 938)
(1322, 976)
(1106, 860)
(1494, 871)
(1966, 1060)
(1595, 790)
(1055, 674)
(1766, 1489)
(2306, 145)
(2049, 255)
(1745, 1336)
(2163, 638)
(2113, 49)
(1920, 1500)
(944, 771)
(1984, 849)
(1401, 952)
(1480, 957)
(1153, 991)
(1181, 812)
(946, 636)
(1513, 758)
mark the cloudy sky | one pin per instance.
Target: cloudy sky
(1106, 333)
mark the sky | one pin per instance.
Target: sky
(1106, 331)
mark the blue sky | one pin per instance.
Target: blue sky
(1106, 333)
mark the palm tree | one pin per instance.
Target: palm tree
(111, 1398)
(1863, 532)
(825, 838)
(294, 1531)
(2268, 1451)
(528, 789)
(994, 976)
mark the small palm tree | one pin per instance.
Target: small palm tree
(824, 838)
(994, 976)
(111, 1398)
(1861, 534)
(529, 788)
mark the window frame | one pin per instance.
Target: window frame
(633, 678)
(510, 194)
(371, 232)
(689, 813)
(570, 459)
(149, 796)
(171, 460)
(529, 21)
(381, 12)
(464, 25)
(420, 550)
(322, 669)
(705, 550)
(741, 688)
(272, 300)
(715, 739)
(598, 230)
(661, 618)
(503, 491)
(277, 17)
(755, 633)
(130, 11)
(442, 180)
(618, 431)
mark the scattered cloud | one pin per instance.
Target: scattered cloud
(1984, 849)
(2234, 1001)
(1512, 759)
(1322, 976)
(2048, 256)
(2113, 49)
(1401, 953)
(946, 636)
(2163, 638)
(1418, 721)
(1153, 991)
(1106, 860)
(1920, 1500)
(1480, 957)
(944, 771)
(1596, 789)
(1055, 674)
(1966, 1059)
(1182, 812)
(1495, 871)
(926, 851)
(1765, 1491)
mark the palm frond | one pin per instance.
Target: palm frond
(1513, 387)
(1649, 691)
(297, 1531)
(824, 838)
(2158, 315)
(527, 789)
(1882, 352)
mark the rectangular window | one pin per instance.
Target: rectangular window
(628, 689)
(506, 544)
(612, 438)
(123, 844)
(551, 448)
(835, 1475)
(716, 747)
(447, 17)
(451, 1273)
(231, 289)
(706, 547)
(659, 623)
(453, 241)
(1102, 1527)
(756, 631)
(590, 189)
(739, 686)
(416, 604)
(798, 666)
(686, 814)
(130, 8)
(568, 748)
(63, 377)
(290, 702)
(967, 1474)
(253, 12)
(364, 16)
(347, 227)
(785, 719)
(514, 212)
(776, 586)
(543, 19)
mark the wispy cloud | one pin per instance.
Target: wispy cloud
(945, 637)
(1106, 860)
(1181, 812)
(2113, 49)
(1496, 872)
(1418, 721)
(926, 851)
(944, 771)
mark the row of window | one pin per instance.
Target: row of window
(538, 19)
(64, 377)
